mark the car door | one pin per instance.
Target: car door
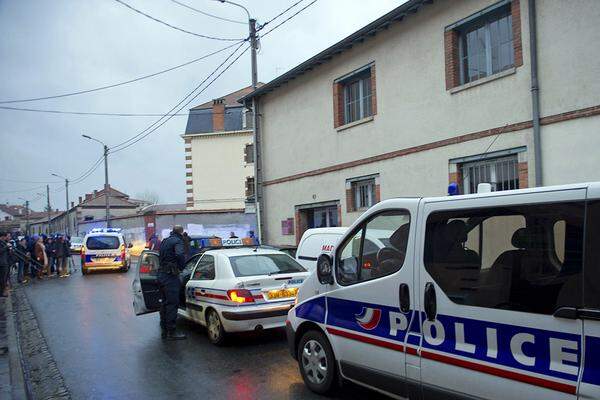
(590, 380)
(146, 293)
(497, 277)
(366, 320)
(198, 289)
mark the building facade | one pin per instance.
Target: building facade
(432, 93)
(219, 155)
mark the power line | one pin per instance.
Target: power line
(23, 190)
(173, 26)
(151, 128)
(121, 83)
(289, 18)
(208, 14)
(38, 110)
(278, 15)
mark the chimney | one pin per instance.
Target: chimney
(80, 200)
(88, 196)
(73, 203)
(95, 193)
(218, 115)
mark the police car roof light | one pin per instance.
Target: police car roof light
(229, 242)
(106, 230)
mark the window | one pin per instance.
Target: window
(486, 45)
(249, 187)
(525, 258)
(247, 121)
(102, 243)
(149, 265)
(205, 269)
(502, 173)
(249, 153)
(363, 193)
(357, 97)
(264, 264)
(377, 249)
(591, 288)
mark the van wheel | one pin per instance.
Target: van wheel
(214, 328)
(317, 362)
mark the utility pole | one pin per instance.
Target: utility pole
(27, 217)
(106, 185)
(68, 223)
(48, 206)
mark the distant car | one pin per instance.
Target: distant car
(289, 250)
(76, 244)
(104, 249)
(233, 289)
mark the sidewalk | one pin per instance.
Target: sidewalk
(12, 385)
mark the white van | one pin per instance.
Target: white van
(317, 241)
(104, 249)
(474, 296)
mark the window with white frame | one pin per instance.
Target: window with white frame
(363, 193)
(357, 96)
(486, 45)
(502, 173)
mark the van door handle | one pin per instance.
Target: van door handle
(430, 301)
(404, 295)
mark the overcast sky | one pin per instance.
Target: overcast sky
(51, 47)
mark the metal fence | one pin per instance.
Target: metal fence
(501, 173)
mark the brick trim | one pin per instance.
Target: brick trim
(188, 158)
(187, 140)
(515, 11)
(189, 190)
(519, 126)
(338, 104)
(377, 193)
(189, 182)
(523, 175)
(188, 149)
(188, 165)
(190, 200)
(188, 174)
(373, 90)
(349, 200)
(451, 59)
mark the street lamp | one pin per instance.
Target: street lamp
(106, 187)
(67, 205)
(255, 133)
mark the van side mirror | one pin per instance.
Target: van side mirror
(325, 269)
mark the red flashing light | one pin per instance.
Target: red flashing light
(240, 296)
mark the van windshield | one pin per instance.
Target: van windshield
(76, 240)
(264, 264)
(102, 243)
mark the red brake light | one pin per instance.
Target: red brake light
(145, 268)
(240, 296)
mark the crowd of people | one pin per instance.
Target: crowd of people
(33, 257)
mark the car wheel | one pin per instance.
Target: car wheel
(214, 328)
(317, 362)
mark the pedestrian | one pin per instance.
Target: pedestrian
(23, 261)
(187, 242)
(171, 263)
(41, 257)
(153, 243)
(50, 255)
(232, 235)
(67, 244)
(4, 263)
(61, 257)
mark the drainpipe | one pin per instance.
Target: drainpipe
(535, 94)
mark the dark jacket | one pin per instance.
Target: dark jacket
(171, 255)
(4, 254)
(59, 249)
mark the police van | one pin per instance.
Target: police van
(104, 249)
(492, 295)
(231, 285)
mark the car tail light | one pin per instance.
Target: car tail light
(82, 255)
(240, 296)
(122, 252)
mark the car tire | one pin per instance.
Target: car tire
(317, 362)
(214, 328)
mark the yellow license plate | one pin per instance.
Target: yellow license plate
(282, 293)
(104, 260)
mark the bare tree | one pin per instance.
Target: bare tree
(148, 195)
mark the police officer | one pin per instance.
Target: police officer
(172, 261)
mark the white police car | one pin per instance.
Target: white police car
(474, 296)
(232, 285)
(104, 249)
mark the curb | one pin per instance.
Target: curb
(17, 380)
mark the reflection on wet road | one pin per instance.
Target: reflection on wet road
(105, 352)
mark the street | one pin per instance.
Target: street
(105, 352)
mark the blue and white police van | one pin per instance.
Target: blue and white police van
(489, 296)
(230, 285)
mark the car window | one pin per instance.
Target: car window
(264, 264)
(205, 269)
(592, 257)
(102, 243)
(376, 250)
(526, 258)
(149, 265)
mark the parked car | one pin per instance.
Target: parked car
(76, 244)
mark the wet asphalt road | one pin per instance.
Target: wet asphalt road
(105, 352)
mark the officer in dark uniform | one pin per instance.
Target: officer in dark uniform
(172, 261)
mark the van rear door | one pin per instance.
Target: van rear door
(497, 276)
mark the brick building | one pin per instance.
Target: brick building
(431, 93)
